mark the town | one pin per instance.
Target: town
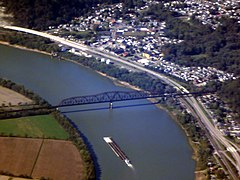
(175, 55)
(141, 39)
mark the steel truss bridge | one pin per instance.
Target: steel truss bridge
(114, 96)
(105, 97)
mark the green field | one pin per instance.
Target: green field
(33, 126)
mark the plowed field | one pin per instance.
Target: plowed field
(55, 159)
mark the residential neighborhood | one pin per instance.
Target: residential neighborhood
(138, 41)
(141, 40)
(222, 115)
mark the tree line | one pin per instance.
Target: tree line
(138, 79)
(22, 90)
(92, 168)
(27, 40)
(37, 102)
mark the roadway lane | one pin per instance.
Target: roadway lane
(215, 133)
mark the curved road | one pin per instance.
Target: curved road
(215, 133)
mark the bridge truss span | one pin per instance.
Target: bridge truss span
(113, 96)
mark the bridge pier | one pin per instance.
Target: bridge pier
(110, 105)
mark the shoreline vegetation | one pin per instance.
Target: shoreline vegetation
(91, 168)
(24, 48)
(199, 172)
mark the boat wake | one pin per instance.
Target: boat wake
(132, 167)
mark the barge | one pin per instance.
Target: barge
(116, 149)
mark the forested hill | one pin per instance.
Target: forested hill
(230, 92)
(39, 14)
(204, 47)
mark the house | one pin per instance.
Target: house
(144, 61)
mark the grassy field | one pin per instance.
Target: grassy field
(33, 126)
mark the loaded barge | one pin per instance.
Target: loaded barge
(116, 149)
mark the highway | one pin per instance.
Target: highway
(215, 133)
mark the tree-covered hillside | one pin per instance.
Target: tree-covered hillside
(230, 92)
(40, 14)
(201, 45)
(218, 48)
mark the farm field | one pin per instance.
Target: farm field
(35, 146)
(59, 160)
(18, 155)
(54, 159)
(9, 96)
(2, 177)
(33, 126)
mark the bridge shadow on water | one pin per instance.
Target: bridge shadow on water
(97, 167)
(85, 139)
(107, 108)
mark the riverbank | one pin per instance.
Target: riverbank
(199, 174)
(46, 124)
(116, 81)
(24, 48)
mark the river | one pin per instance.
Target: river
(155, 144)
